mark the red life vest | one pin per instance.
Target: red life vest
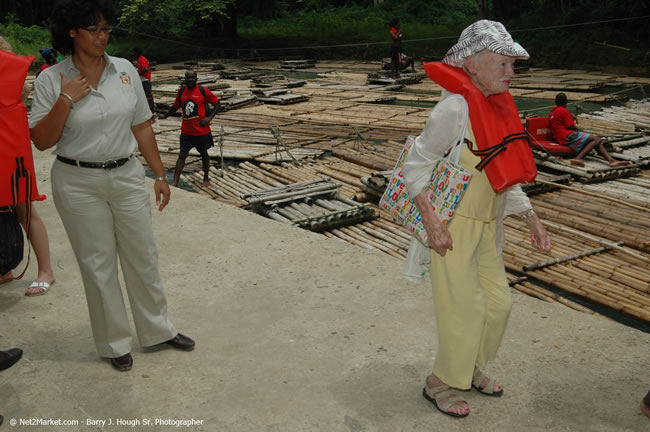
(500, 137)
(17, 179)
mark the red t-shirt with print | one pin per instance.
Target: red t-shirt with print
(561, 120)
(143, 64)
(193, 103)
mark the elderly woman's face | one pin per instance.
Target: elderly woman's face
(491, 73)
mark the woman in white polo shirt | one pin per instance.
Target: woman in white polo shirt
(91, 106)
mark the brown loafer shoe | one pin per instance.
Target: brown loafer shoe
(181, 342)
(123, 363)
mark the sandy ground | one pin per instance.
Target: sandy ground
(298, 332)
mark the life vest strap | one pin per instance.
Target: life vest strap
(488, 154)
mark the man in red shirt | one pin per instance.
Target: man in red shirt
(195, 128)
(144, 70)
(396, 35)
(565, 132)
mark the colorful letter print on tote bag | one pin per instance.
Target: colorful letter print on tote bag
(448, 182)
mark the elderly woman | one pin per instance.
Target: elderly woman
(92, 107)
(470, 290)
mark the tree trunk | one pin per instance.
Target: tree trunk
(505, 10)
(483, 9)
(230, 23)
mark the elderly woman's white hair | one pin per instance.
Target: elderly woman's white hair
(480, 36)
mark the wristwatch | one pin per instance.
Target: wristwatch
(528, 214)
(161, 178)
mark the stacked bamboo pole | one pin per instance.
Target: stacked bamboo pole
(611, 278)
(548, 296)
(635, 189)
(600, 216)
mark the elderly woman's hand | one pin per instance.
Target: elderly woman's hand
(438, 234)
(539, 237)
(77, 88)
(439, 238)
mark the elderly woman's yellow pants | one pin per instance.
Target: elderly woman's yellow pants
(471, 300)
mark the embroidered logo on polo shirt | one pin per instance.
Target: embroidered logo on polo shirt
(125, 78)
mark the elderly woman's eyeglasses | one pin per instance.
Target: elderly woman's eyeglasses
(95, 31)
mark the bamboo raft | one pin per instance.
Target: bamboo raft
(595, 169)
(297, 64)
(314, 205)
(361, 138)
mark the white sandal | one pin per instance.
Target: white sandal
(44, 286)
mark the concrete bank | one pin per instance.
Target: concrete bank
(298, 332)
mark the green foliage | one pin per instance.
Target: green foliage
(267, 9)
(436, 12)
(365, 29)
(350, 24)
(580, 34)
(25, 40)
(177, 18)
(557, 33)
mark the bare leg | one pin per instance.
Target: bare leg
(180, 164)
(41, 244)
(595, 142)
(206, 167)
(605, 154)
(6, 278)
(592, 142)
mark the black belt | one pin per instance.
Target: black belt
(107, 164)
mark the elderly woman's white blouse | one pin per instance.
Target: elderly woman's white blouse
(440, 133)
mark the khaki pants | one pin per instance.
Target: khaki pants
(107, 214)
(471, 301)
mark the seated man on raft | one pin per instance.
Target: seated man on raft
(566, 132)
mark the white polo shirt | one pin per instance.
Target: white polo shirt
(99, 126)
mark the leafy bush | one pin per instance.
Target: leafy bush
(25, 40)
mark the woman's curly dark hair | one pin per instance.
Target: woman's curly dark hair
(75, 14)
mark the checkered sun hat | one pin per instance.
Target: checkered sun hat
(484, 34)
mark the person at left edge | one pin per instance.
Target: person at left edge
(8, 359)
(92, 107)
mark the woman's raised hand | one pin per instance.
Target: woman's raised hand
(77, 88)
